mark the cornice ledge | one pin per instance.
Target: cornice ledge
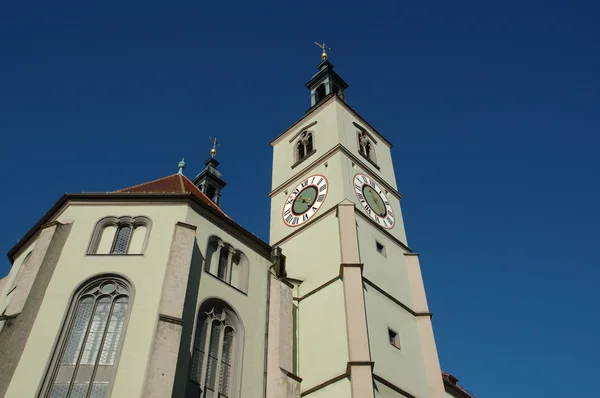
(311, 111)
(350, 265)
(170, 319)
(384, 231)
(186, 225)
(395, 300)
(350, 364)
(394, 387)
(337, 148)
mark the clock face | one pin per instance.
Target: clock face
(373, 200)
(305, 200)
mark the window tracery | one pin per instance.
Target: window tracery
(304, 146)
(216, 357)
(123, 235)
(365, 146)
(85, 358)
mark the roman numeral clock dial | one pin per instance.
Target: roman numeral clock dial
(373, 200)
(305, 200)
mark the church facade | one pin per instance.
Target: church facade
(153, 291)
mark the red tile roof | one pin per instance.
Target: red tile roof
(453, 381)
(175, 183)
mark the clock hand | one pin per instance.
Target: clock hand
(376, 201)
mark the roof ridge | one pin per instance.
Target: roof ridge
(199, 192)
(145, 183)
(181, 182)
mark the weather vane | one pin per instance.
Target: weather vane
(324, 48)
(213, 151)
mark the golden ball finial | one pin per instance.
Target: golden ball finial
(323, 47)
(213, 151)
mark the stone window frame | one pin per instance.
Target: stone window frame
(365, 139)
(305, 141)
(84, 291)
(394, 338)
(216, 311)
(119, 222)
(216, 248)
(380, 247)
(366, 146)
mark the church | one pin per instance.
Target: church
(153, 291)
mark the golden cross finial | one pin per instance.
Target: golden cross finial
(213, 151)
(324, 48)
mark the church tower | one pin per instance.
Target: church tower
(362, 324)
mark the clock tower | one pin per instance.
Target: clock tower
(362, 327)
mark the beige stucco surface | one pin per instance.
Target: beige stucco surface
(402, 367)
(388, 272)
(323, 340)
(312, 258)
(146, 273)
(339, 389)
(74, 267)
(334, 126)
(383, 391)
(250, 307)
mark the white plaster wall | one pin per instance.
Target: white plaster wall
(383, 391)
(403, 368)
(388, 273)
(313, 256)
(348, 132)
(74, 267)
(448, 395)
(250, 307)
(323, 340)
(339, 389)
(325, 137)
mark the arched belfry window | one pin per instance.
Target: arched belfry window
(365, 146)
(301, 151)
(123, 235)
(304, 146)
(320, 92)
(86, 356)
(227, 263)
(216, 358)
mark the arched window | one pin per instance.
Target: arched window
(301, 151)
(216, 358)
(121, 242)
(227, 263)
(320, 93)
(365, 146)
(309, 143)
(123, 235)
(304, 146)
(85, 359)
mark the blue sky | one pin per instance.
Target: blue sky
(492, 110)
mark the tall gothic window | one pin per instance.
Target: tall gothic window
(216, 358)
(86, 356)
